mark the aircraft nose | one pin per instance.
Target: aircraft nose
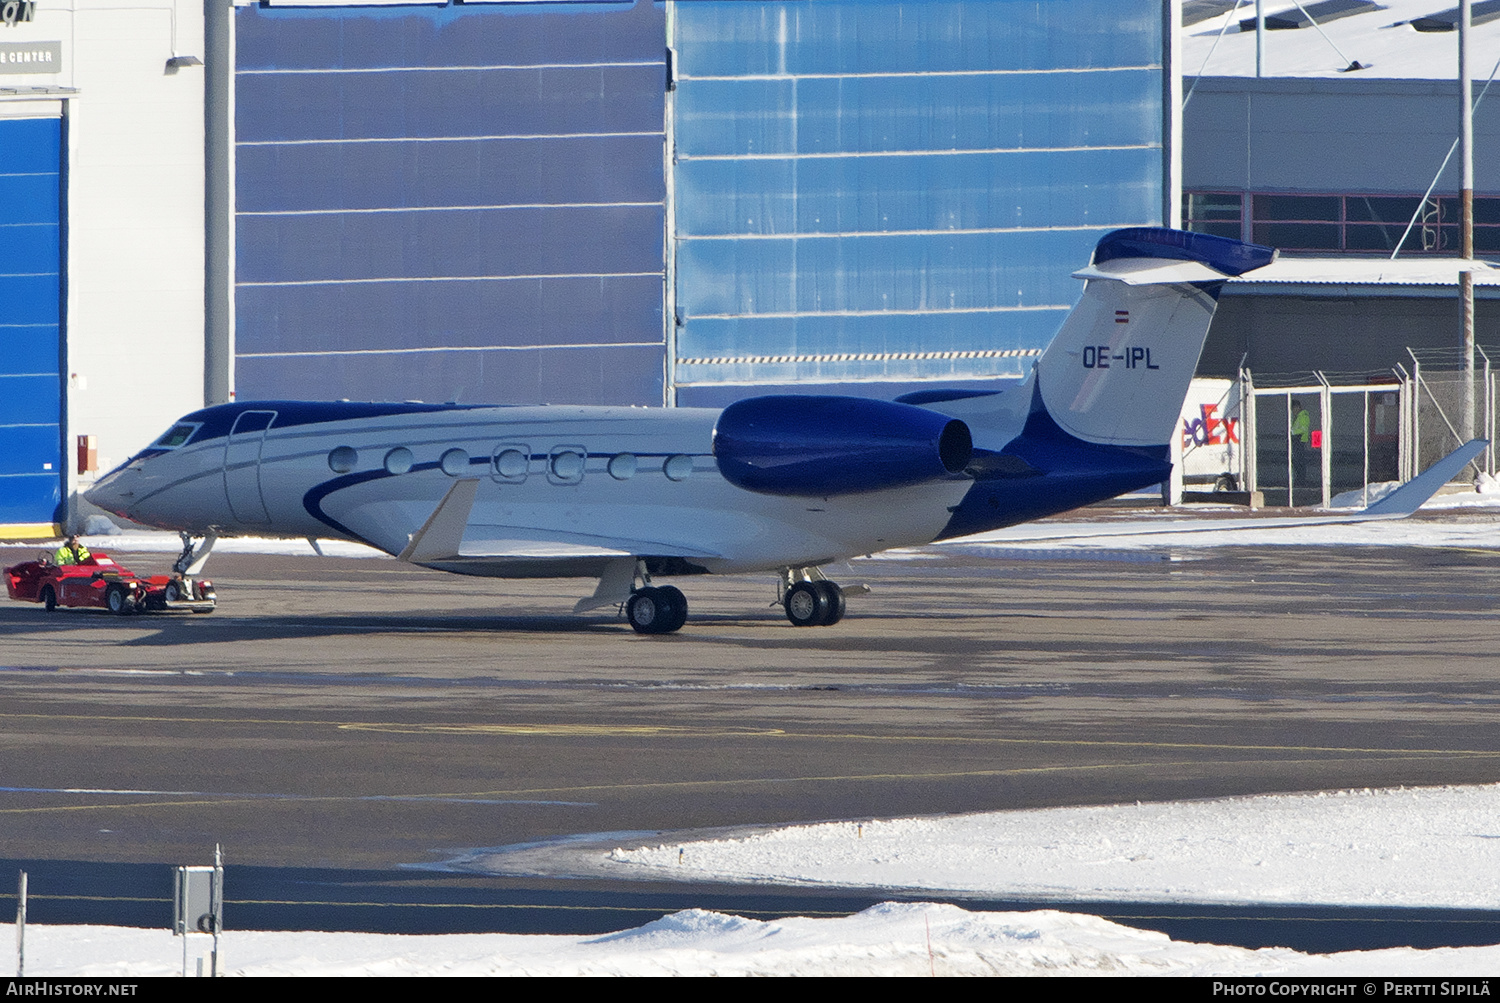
(115, 491)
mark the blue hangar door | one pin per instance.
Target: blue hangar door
(31, 468)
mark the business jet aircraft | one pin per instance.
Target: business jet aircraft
(781, 484)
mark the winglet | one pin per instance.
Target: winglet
(443, 532)
(1409, 497)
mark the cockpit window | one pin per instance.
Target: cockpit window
(176, 436)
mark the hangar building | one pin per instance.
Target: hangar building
(638, 202)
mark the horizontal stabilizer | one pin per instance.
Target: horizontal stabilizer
(443, 532)
(1397, 505)
(1409, 497)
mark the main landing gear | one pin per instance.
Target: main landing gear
(810, 600)
(655, 609)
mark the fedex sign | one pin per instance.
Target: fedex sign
(1209, 429)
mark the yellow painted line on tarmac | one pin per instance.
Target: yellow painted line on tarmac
(720, 783)
(673, 731)
(572, 730)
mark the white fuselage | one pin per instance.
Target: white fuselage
(669, 500)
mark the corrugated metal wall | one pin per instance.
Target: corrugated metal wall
(31, 467)
(875, 190)
(454, 203)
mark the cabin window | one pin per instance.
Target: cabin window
(566, 465)
(398, 460)
(343, 459)
(510, 462)
(678, 468)
(622, 467)
(455, 463)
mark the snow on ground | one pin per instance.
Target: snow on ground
(888, 939)
(1435, 847)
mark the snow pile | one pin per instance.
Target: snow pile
(1368, 495)
(1437, 847)
(888, 939)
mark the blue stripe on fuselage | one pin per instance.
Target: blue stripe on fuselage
(218, 420)
(1065, 473)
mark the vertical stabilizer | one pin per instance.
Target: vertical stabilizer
(1119, 368)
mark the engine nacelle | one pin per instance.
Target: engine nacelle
(824, 446)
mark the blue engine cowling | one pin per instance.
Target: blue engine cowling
(824, 446)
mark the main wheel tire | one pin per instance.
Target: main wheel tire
(677, 608)
(835, 596)
(117, 599)
(806, 604)
(646, 611)
(172, 592)
(49, 598)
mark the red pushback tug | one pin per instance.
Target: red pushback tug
(102, 584)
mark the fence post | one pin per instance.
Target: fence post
(1325, 451)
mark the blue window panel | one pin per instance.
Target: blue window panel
(468, 243)
(849, 115)
(29, 497)
(959, 272)
(292, 38)
(30, 299)
(870, 335)
(443, 102)
(883, 194)
(848, 201)
(466, 72)
(613, 375)
(28, 242)
(736, 37)
(467, 173)
(369, 316)
(29, 198)
(31, 398)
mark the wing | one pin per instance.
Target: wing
(448, 542)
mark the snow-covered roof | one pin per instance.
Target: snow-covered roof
(1379, 37)
(1371, 271)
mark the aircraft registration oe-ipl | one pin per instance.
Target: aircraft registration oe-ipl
(782, 484)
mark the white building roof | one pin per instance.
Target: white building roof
(1381, 40)
(1369, 271)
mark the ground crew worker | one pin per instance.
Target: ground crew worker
(71, 552)
(1301, 435)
